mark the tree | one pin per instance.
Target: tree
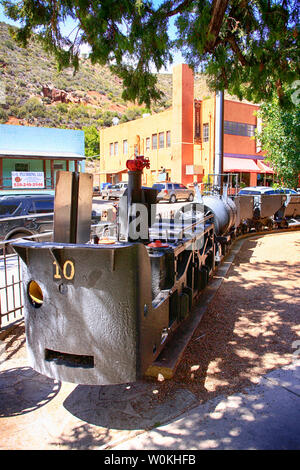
(249, 47)
(92, 142)
(280, 139)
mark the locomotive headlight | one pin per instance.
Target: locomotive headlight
(35, 294)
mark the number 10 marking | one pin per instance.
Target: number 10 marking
(68, 270)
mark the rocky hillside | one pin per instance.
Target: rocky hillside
(33, 92)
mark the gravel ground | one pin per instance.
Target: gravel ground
(248, 329)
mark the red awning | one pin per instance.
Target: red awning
(240, 165)
(265, 168)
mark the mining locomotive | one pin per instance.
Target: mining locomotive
(100, 311)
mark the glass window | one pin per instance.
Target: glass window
(148, 143)
(168, 136)
(116, 148)
(125, 147)
(111, 149)
(239, 128)
(44, 206)
(8, 209)
(58, 166)
(154, 141)
(205, 132)
(161, 140)
(21, 166)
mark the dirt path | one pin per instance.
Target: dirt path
(250, 326)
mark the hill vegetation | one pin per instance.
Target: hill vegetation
(35, 93)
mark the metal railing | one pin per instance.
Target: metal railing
(11, 291)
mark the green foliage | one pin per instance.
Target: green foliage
(26, 71)
(3, 115)
(250, 48)
(280, 138)
(133, 113)
(92, 142)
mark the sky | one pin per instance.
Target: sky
(69, 26)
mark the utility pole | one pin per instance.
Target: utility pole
(219, 139)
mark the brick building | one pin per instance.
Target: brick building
(180, 141)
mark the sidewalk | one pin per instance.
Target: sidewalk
(236, 385)
(264, 417)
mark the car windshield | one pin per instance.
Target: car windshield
(249, 191)
(8, 208)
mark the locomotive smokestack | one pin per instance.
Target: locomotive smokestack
(219, 138)
(134, 195)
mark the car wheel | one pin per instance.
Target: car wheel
(8, 249)
(172, 199)
(191, 197)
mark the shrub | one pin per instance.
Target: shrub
(3, 115)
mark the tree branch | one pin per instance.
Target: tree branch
(235, 48)
(218, 11)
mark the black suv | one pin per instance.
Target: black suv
(18, 208)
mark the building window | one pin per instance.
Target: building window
(116, 148)
(111, 149)
(125, 147)
(58, 166)
(161, 141)
(148, 143)
(205, 132)
(154, 141)
(21, 166)
(239, 128)
(168, 136)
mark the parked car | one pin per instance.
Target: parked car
(114, 191)
(96, 191)
(288, 191)
(173, 191)
(257, 190)
(17, 209)
(15, 223)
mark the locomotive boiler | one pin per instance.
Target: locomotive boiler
(101, 311)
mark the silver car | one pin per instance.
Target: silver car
(115, 191)
(173, 191)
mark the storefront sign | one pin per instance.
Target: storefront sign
(27, 179)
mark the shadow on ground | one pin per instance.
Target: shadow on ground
(23, 390)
